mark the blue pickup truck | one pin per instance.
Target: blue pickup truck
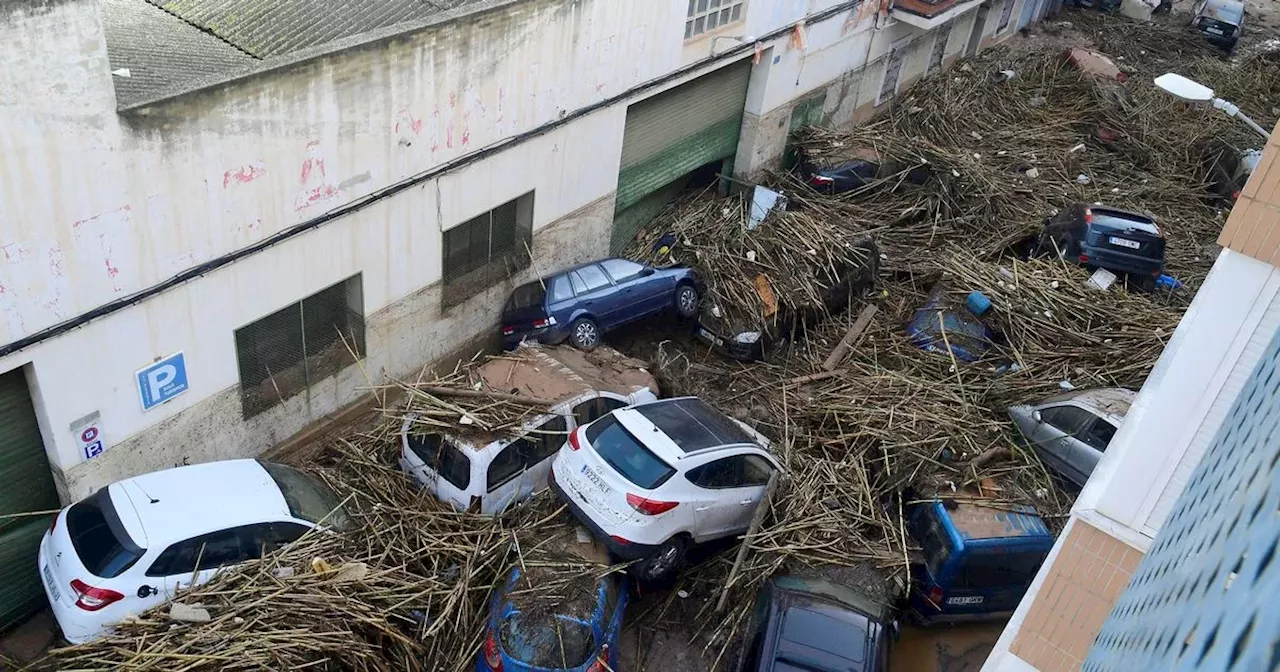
(977, 560)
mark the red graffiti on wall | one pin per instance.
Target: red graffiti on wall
(244, 174)
(315, 185)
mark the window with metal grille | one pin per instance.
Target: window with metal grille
(284, 353)
(705, 16)
(487, 249)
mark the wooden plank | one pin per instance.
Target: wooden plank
(851, 337)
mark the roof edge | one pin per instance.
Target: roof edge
(277, 64)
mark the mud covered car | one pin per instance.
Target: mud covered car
(749, 338)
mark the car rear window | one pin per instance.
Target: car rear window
(104, 547)
(307, 498)
(617, 447)
(1123, 222)
(827, 633)
(998, 568)
(531, 295)
(547, 641)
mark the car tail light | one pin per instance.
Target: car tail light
(53, 524)
(1157, 273)
(1088, 216)
(1084, 258)
(574, 442)
(649, 507)
(935, 595)
(602, 661)
(507, 331)
(821, 180)
(539, 324)
(620, 540)
(93, 599)
(1235, 195)
(492, 657)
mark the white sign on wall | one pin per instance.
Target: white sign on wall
(88, 433)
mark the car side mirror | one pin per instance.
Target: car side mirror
(1035, 415)
(647, 272)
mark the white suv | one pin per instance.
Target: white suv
(136, 543)
(653, 479)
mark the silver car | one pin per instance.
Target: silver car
(1071, 431)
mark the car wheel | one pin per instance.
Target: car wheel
(686, 301)
(584, 334)
(664, 562)
(1144, 283)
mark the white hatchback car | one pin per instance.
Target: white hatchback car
(653, 479)
(134, 544)
(485, 473)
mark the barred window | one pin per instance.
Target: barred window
(284, 353)
(485, 250)
(705, 16)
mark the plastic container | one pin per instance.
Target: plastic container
(977, 303)
(1168, 282)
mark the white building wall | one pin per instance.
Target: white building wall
(99, 205)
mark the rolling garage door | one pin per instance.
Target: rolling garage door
(26, 484)
(670, 135)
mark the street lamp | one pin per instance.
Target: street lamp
(1195, 92)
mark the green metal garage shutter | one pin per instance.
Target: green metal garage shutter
(26, 484)
(674, 132)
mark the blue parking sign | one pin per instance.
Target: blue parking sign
(162, 381)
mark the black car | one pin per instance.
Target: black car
(845, 176)
(1118, 240)
(1220, 21)
(810, 625)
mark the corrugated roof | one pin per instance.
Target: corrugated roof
(175, 46)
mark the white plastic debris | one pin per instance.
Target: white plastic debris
(1066, 385)
(751, 255)
(975, 135)
(1048, 314)
(1101, 279)
(466, 420)
(884, 257)
(184, 613)
(1083, 179)
(683, 594)
(1115, 190)
(1053, 285)
(282, 572)
(122, 72)
(955, 173)
(1032, 173)
(1077, 148)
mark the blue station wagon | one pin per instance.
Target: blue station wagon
(582, 303)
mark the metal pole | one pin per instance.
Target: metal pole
(1233, 110)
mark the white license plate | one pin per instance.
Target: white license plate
(1125, 242)
(596, 479)
(1215, 31)
(53, 585)
(710, 336)
(977, 599)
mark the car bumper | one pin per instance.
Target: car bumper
(1118, 261)
(547, 336)
(745, 352)
(621, 550)
(78, 626)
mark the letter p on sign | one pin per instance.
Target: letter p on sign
(162, 381)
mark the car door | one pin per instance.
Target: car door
(731, 487)
(541, 446)
(1092, 443)
(638, 293)
(1058, 438)
(194, 561)
(596, 294)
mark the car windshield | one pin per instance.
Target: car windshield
(526, 296)
(626, 455)
(543, 640)
(104, 547)
(308, 499)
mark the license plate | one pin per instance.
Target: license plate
(596, 479)
(53, 585)
(1215, 31)
(977, 599)
(710, 336)
(1125, 242)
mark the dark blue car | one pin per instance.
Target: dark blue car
(582, 303)
(579, 635)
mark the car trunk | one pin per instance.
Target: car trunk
(91, 538)
(1128, 240)
(525, 305)
(1215, 27)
